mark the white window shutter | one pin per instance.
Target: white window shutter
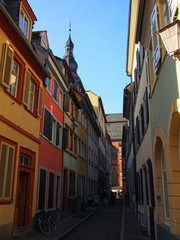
(39, 109)
(6, 65)
(27, 80)
(155, 39)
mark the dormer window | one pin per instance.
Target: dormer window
(24, 24)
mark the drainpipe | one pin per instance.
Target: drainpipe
(134, 153)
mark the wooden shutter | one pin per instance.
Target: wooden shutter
(47, 129)
(57, 134)
(9, 173)
(64, 141)
(27, 80)
(138, 64)
(6, 65)
(147, 72)
(66, 103)
(155, 39)
(42, 189)
(40, 97)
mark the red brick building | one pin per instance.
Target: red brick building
(114, 127)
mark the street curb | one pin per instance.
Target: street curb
(61, 236)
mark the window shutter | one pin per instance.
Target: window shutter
(39, 110)
(147, 72)
(4, 152)
(47, 129)
(147, 107)
(9, 172)
(155, 39)
(27, 80)
(6, 65)
(138, 64)
(64, 141)
(42, 189)
(57, 134)
(66, 103)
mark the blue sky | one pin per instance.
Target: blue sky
(99, 33)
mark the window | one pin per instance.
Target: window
(155, 39)
(14, 79)
(6, 170)
(59, 131)
(61, 98)
(32, 94)
(25, 160)
(55, 91)
(51, 190)
(24, 24)
(52, 129)
(42, 189)
(164, 181)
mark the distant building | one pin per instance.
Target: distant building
(114, 126)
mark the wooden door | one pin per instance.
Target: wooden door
(22, 198)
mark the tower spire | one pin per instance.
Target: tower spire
(69, 46)
(70, 29)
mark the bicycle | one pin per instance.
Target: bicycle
(46, 223)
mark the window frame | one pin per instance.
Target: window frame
(55, 94)
(29, 22)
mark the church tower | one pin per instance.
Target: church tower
(69, 46)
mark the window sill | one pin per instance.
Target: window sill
(5, 202)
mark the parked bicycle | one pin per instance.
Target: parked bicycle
(45, 222)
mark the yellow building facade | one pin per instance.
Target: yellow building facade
(21, 76)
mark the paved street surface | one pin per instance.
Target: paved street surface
(104, 224)
(116, 222)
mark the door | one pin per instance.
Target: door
(58, 191)
(22, 198)
(65, 191)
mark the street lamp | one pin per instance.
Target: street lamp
(170, 36)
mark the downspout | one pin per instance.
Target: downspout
(134, 154)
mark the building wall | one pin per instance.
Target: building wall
(19, 128)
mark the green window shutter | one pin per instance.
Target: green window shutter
(42, 189)
(6, 65)
(47, 129)
(64, 140)
(57, 134)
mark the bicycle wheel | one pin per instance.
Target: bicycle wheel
(44, 227)
(52, 223)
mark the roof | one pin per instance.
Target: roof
(114, 125)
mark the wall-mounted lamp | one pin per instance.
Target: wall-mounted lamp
(170, 36)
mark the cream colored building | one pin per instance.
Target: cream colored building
(155, 79)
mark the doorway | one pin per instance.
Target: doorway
(65, 191)
(22, 198)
